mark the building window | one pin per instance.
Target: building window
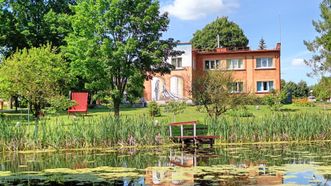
(264, 63)
(233, 64)
(211, 64)
(236, 87)
(176, 87)
(177, 62)
(265, 86)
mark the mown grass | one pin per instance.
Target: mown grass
(190, 113)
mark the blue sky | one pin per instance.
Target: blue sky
(288, 21)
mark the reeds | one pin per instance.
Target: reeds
(107, 131)
(274, 127)
(82, 132)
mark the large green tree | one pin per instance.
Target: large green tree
(229, 33)
(32, 23)
(321, 45)
(113, 39)
(297, 90)
(323, 89)
(35, 74)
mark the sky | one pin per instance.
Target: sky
(285, 21)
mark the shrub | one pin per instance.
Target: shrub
(154, 109)
(303, 102)
(274, 100)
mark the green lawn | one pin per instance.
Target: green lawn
(190, 113)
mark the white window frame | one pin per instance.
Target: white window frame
(237, 85)
(216, 62)
(177, 62)
(234, 64)
(262, 61)
(268, 88)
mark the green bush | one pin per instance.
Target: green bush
(274, 100)
(242, 112)
(154, 109)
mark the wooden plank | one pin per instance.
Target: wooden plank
(170, 131)
(197, 137)
(182, 123)
(183, 137)
(208, 137)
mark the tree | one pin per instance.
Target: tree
(298, 90)
(229, 33)
(32, 23)
(35, 74)
(135, 87)
(323, 89)
(321, 45)
(175, 107)
(115, 39)
(262, 45)
(303, 89)
(211, 92)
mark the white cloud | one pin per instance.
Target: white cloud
(298, 62)
(196, 9)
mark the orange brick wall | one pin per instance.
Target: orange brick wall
(249, 75)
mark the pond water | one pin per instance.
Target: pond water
(292, 164)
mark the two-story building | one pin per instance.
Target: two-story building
(254, 71)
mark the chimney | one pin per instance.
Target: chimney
(278, 46)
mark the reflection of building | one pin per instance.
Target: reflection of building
(264, 177)
(183, 169)
(254, 71)
(168, 177)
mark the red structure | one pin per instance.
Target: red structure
(81, 99)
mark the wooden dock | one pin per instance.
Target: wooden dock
(194, 138)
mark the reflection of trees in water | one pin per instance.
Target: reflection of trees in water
(239, 156)
(78, 159)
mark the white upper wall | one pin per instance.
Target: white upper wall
(186, 56)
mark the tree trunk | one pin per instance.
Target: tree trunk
(117, 103)
(91, 100)
(11, 102)
(37, 109)
(16, 102)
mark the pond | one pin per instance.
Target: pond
(292, 164)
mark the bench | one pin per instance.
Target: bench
(194, 138)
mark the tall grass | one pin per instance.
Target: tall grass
(81, 132)
(107, 131)
(274, 127)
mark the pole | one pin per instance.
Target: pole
(28, 113)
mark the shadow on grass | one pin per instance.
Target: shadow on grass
(288, 110)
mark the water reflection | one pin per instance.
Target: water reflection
(305, 164)
(187, 171)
